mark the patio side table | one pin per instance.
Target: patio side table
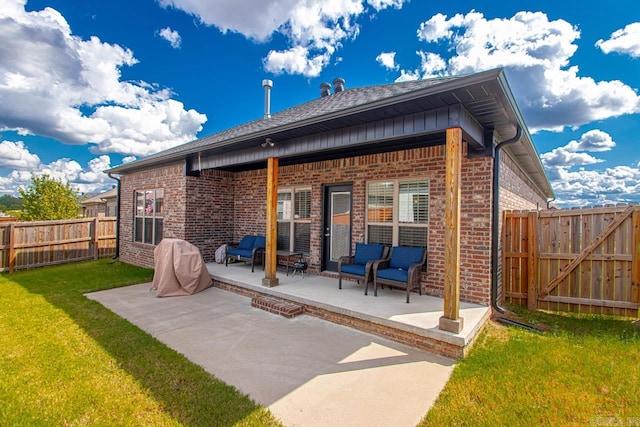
(290, 258)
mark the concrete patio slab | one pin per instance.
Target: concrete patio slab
(307, 371)
(420, 318)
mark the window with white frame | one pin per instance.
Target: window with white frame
(147, 225)
(398, 212)
(294, 220)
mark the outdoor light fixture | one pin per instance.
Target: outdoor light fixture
(268, 142)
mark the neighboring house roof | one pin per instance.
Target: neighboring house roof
(485, 96)
(100, 198)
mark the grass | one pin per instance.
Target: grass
(583, 370)
(66, 360)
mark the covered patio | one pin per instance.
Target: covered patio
(387, 315)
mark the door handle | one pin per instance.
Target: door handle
(327, 234)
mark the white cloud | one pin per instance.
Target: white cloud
(536, 54)
(383, 4)
(295, 61)
(620, 184)
(388, 60)
(255, 19)
(75, 86)
(314, 29)
(129, 159)
(585, 187)
(172, 36)
(624, 41)
(573, 154)
(15, 155)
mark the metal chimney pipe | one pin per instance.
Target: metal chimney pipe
(267, 85)
(338, 84)
(325, 89)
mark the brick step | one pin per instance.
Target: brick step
(277, 306)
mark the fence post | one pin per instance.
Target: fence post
(532, 259)
(95, 238)
(635, 258)
(12, 252)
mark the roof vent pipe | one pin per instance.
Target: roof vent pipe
(338, 85)
(267, 85)
(325, 89)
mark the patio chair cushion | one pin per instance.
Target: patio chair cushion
(247, 242)
(403, 256)
(367, 252)
(393, 274)
(355, 269)
(244, 253)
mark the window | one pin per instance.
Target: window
(294, 220)
(398, 213)
(147, 227)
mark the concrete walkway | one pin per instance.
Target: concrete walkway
(307, 371)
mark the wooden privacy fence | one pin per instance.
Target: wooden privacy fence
(582, 260)
(37, 244)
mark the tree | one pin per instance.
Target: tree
(48, 199)
(8, 203)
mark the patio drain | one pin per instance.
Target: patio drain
(277, 306)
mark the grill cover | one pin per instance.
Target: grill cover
(179, 269)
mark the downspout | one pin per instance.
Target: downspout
(495, 218)
(495, 235)
(117, 255)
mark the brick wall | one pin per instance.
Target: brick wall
(171, 179)
(219, 207)
(196, 209)
(424, 163)
(210, 211)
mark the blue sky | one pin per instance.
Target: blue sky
(87, 85)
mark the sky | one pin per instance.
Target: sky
(88, 85)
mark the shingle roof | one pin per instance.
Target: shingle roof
(320, 108)
(486, 95)
(99, 198)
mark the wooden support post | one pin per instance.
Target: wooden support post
(451, 320)
(635, 258)
(532, 260)
(271, 260)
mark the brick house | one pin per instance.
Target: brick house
(408, 163)
(103, 204)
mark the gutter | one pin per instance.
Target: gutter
(117, 255)
(495, 237)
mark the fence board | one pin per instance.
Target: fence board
(587, 260)
(36, 244)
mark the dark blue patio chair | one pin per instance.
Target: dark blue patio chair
(358, 265)
(401, 269)
(250, 249)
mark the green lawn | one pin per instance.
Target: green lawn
(66, 360)
(581, 371)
